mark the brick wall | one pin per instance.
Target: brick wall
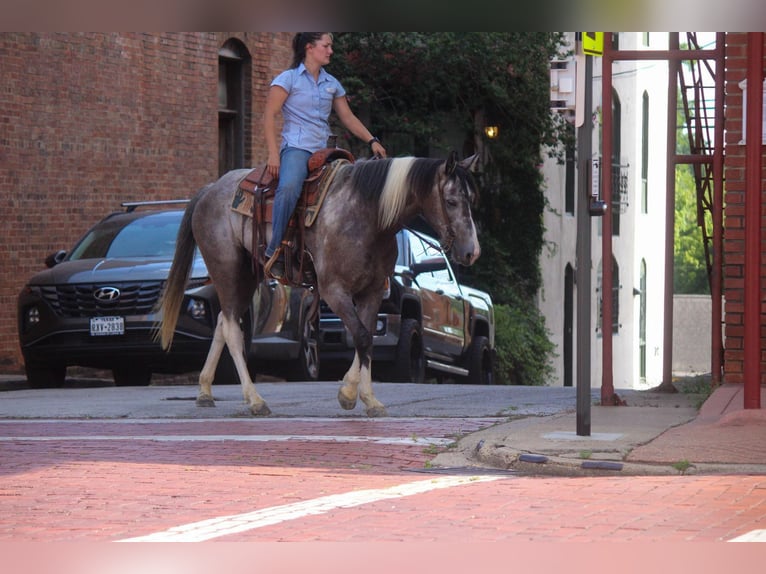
(734, 211)
(88, 120)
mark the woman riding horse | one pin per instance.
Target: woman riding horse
(304, 95)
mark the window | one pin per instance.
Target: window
(233, 106)
(616, 141)
(644, 153)
(615, 297)
(569, 185)
(642, 324)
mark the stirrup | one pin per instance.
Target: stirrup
(278, 260)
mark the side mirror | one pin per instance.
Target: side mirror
(429, 265)
(55, 258)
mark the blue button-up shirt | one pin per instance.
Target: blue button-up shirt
(307, 108)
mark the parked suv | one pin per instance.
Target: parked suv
(428, 324)
(94, 307)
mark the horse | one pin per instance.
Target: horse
(353, 247)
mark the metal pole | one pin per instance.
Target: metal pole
(583, 271)
(716, 339)
(607, 295)
(670, 215)
(753, 181)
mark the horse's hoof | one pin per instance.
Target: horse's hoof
(345, 403)
(377, 412)
(205, 401)
(261, 410)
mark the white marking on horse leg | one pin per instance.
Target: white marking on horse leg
(233, 336)
(374, 407)
(237, 523)
(206, 376)
(348, 392)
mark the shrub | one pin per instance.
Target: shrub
(524, 349)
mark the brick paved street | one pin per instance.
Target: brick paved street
(113, 480)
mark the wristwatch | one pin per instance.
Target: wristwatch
(372, 141)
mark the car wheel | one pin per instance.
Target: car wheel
(480, 366)
(45, 376)
(132, 376)
(410, 364)
(306, 366)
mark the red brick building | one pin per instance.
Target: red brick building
(743, 325)
(89, 120)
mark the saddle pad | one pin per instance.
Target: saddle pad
(312, 210)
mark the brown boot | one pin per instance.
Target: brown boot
(275, 266)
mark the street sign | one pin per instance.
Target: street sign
(593, 43)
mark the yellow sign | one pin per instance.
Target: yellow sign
(593, 43)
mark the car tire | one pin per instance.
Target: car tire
(480, 364)
(132, 376)
(45, 376)
(409, 364)
(306, 365)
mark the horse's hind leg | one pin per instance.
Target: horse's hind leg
(232, 334)
(206, 376)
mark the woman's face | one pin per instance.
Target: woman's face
(321, 50)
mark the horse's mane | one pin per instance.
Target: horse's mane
(389, 181)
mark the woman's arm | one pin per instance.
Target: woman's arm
(355, 125)
(275, 99)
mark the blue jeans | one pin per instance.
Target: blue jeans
(293, 170)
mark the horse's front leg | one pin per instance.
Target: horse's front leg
(349, 391)
(367, 311)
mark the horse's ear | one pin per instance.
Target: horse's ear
(451, 164)
(471, 163)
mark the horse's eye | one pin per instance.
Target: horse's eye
(452, 203)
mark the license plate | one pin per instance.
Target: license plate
(100, 326)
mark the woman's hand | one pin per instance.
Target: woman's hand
(272, 165)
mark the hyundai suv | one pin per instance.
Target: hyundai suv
(95, 307)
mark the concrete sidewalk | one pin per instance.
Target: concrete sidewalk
(657, 433)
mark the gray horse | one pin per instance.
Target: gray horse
(352, 244)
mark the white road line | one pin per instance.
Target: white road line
(389, 440)
(225, 525)
(752, 536)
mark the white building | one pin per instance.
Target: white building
(639, 128)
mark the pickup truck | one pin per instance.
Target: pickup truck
(429, 325)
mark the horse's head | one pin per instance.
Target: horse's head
(449, 209)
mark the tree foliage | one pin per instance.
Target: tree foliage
(426, 93)
(690, 274)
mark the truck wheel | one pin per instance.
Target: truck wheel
(45, 376)
(306, 365)
(480, 365)
(410, 363)
(132, 376)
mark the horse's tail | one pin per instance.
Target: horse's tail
(173, 294)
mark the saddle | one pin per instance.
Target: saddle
(254, 198)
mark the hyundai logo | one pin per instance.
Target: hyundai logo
(106, 294)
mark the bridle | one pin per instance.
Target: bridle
(446, 242)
